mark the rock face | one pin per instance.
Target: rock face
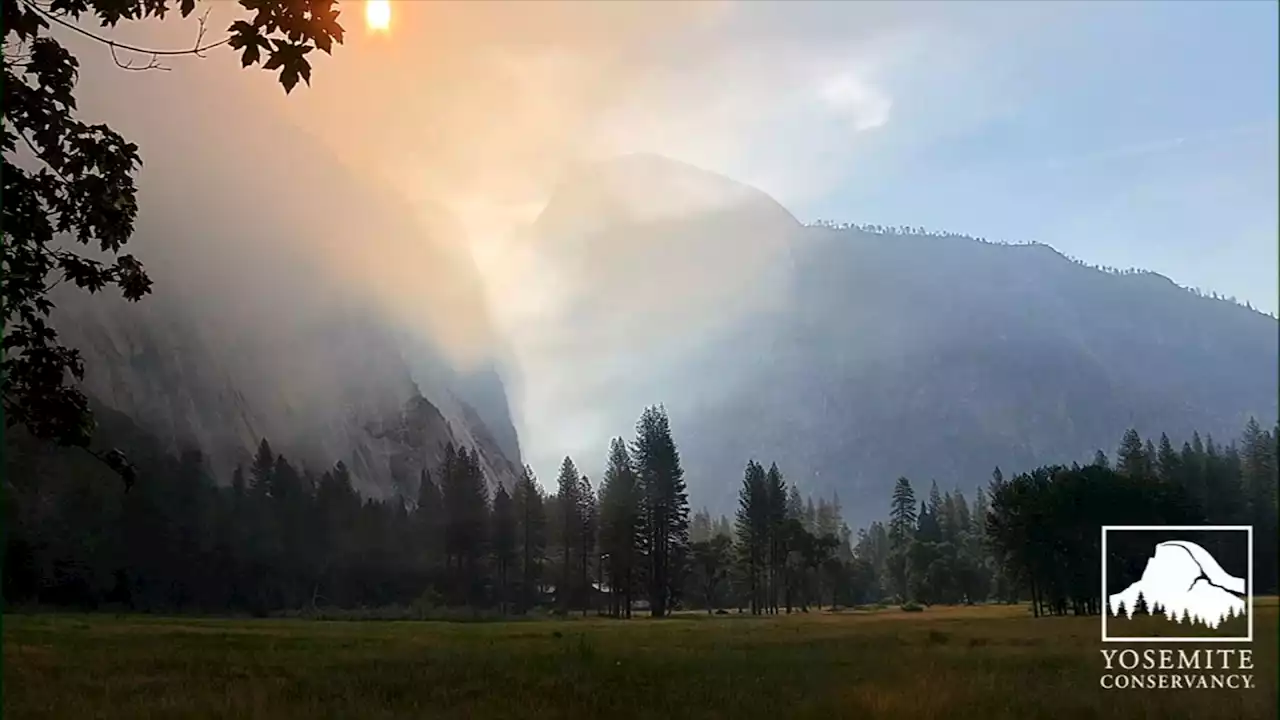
(301, 301)
(878, 355)
(943, 357)
(330, 391)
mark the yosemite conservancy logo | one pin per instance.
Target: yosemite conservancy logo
(1177, 584)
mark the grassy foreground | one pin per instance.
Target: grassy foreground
(985, 662)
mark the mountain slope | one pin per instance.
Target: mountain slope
(340, 389)
(939, 358)
(304, 303)
(934, 357)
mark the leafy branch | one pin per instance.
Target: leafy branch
(82, 189)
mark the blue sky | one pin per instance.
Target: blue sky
(1136, 134)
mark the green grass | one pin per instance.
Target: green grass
(984, 662)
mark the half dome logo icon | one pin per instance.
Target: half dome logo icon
(1177, 583)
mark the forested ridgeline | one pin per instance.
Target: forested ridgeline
(280, 538)
(906, 230)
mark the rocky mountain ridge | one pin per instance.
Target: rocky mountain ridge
(853, 357)
(321, 394)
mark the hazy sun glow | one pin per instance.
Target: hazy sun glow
(377, 14)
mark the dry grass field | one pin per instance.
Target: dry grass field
(977, 662)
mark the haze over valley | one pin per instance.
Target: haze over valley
(687, 359)
(538, 285)
(828, 351)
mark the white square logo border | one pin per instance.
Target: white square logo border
(1106, 611)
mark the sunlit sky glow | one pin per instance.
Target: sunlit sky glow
(1125, 134)
(377, 14)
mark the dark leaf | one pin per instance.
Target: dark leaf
(289, 77)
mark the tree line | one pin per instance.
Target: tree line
(1036, 536)
(277, 537)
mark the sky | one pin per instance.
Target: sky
(1138, 134)
(1124, 134)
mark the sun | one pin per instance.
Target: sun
(377, 14)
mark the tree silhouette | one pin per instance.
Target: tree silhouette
(504, 542)
(752, 527)
(587, 516)
(65, 178)
(279, 538)
(902, 527)
(664, 506)
(570, 523)
(620, 528)
(531, 529)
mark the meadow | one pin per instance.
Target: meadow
(961, 662)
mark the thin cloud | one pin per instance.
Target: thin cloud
(1164, 146)
(864, 105)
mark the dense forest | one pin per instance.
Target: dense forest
(1036, 536)
(278, 538)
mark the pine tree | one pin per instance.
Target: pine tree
(1258, 469)
(465, 497)
(1131, 458)
(620, 528)
(504, 541)
(700, 526)
(710, 559)
(429, 519)
(570, 528)
(286, 482)
(1191, 475)
(261, 471)
(752, 529)
(928, 529)
(454, 512)
(935, 500)
(338, 506)
(290, 503)
(1167, 462)
(827, 520)
(795, 503)
(902, 527)
(665, 505)
(978, 518)
(776, 489)
(948, 519)
(531, 533)
(586, 537)
(984, 565)
(902, 514)
(1229, 484)
(479, 513)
